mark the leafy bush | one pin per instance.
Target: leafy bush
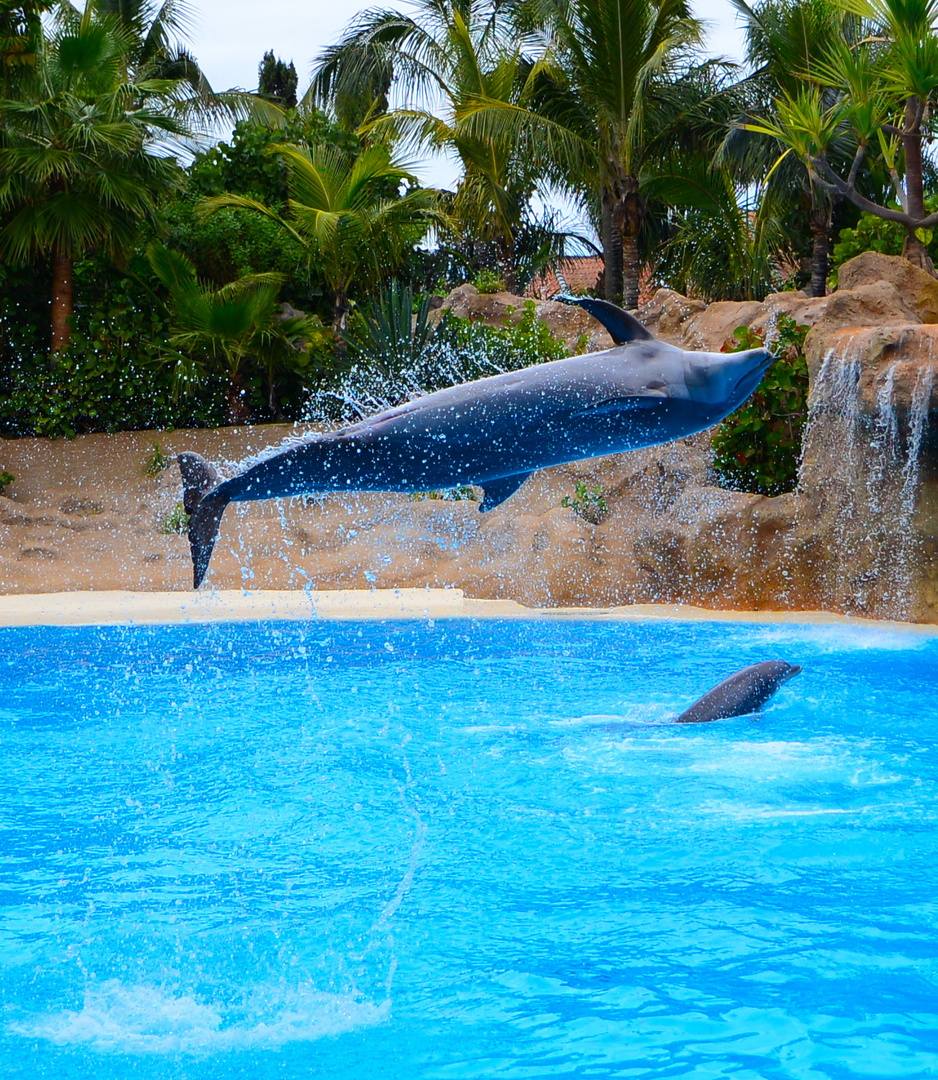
(156, 461)
(489, 281)
(111, 376)
(6, 478)
(875, 234)
(758, 447)
(176, 521)
(463, 493)
(588, 503)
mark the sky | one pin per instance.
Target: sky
(229, 38)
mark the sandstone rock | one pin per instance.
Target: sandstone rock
(917, 289)
(667, 312)
(878, 303)
(805, 310)
(711, 328)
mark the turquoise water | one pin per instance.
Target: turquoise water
(465, 850)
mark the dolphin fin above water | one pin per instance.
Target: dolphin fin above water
(620, 324)
(744, 692)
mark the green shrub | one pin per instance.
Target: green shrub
(758, 447)
(175, 522)
(874, 234)
(156, 461)
(588, 503)
(457, 494)
(6, 478)
(110, 378)
(489, 281)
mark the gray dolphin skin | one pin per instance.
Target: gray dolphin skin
(495, 432)
(742, 693)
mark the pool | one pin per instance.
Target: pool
(407, 849)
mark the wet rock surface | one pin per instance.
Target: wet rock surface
(859, 536)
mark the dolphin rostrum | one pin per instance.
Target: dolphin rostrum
(742, 693)
(495, 432)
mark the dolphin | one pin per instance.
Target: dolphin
(742, 693)
(495, 432)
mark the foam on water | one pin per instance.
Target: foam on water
(154, 1020)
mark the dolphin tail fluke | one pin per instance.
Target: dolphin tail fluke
(203, 532)
(204, 507)
(198, 478)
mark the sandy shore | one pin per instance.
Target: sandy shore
(114, 607)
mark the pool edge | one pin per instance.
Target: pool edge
(89, 608)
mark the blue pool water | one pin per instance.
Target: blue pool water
(465, 850)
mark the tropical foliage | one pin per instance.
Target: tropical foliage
(152, 273)
(758, 447)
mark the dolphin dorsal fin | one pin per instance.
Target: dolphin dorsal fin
(621, 325)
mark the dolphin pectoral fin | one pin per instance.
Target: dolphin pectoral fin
(621, 325)
(203, 532)
(497, 491)
(650, 400)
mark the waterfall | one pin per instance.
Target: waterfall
(863, 450)
(918, 421)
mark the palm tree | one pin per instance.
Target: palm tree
(788, 43)
(716, 249)
(879, 93)
(228, 327)
(78, 167)
(445, 59)
(20, 34)
(156, 50)
(83, 141)
(347, 213)
(616, 84)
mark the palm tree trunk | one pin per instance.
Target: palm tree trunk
(612, 252)
(631, 269)
(61, 300)
(820, 255)
(629, 215)
(238, 411)
(913, 249)
(506, 260)
(339, 319)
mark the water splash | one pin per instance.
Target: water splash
(153, 1020)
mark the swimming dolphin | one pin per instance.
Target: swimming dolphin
(495, 432)
(742, 693)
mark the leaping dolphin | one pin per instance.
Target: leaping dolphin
(744, 692)
(495, 432)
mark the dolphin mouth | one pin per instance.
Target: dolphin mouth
(793, 670)
(754, 375)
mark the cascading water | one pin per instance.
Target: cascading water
(864, 450)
